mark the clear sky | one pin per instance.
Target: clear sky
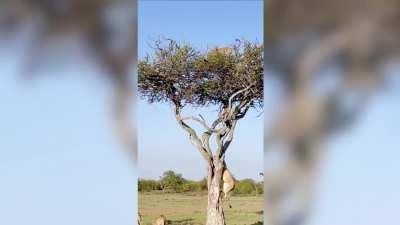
(59, 160)
(162, 144)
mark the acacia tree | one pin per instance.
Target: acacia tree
(229, 78)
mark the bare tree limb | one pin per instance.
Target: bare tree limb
(192, 135)
(201, 121)
(206, 142)
(219, 144)
(238, 93)
(229, 139)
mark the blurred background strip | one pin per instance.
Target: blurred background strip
(332, 81)
(67, 117)
(106, 29)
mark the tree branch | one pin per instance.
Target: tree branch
(196, 141)
(206, 142)
(242, 109)
(219, 119)
(201, 121)
(229, 117)
(219, 142)
(229, 137)
(237, 93)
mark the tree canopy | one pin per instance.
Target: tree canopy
(172, 180)
(180, 74)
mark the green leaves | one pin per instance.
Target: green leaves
(173, 181)
(180, 74)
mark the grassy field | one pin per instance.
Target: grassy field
(186, 209)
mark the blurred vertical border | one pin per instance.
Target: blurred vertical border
(325, 62)
(104, 30)
(104, 33)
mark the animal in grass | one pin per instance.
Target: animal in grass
(161, 220)
(228, 184)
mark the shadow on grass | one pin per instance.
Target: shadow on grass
(258, 223)
(260, 212)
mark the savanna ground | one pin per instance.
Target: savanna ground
(190, 209)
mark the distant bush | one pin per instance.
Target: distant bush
(248, 187)
(190, 186)
(149, 185)
(203, 184)
(260, 188)
(174, 182)
(195, 186)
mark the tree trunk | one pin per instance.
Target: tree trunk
(215, 212)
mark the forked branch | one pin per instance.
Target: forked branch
(194, 138)
(231, 98)
(200, 120)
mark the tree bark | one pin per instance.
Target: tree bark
(223, 127)
(215, 212)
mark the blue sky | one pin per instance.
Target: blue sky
(162, 144)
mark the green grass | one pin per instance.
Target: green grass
(190, 209)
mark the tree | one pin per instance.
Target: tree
(229, 78)
(172, 181)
